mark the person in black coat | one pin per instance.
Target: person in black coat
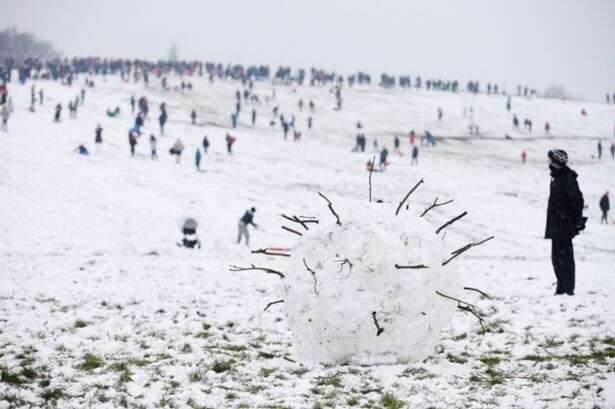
(605, 206)
(246, 219)
(564, 219)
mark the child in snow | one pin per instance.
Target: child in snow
(132, 141)
(230, 140)
(197, 160)
(190, 239)
(82, 150)
(205, 144)
(177, 149)
(415, 156)
(98, 134)
(152, 144)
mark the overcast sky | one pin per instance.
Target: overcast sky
(538, 42)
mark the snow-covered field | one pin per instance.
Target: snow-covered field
(100, 308)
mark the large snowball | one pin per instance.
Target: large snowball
(331, 311)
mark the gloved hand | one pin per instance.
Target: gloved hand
(580, 225)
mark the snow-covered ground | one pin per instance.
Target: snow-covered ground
(100, 308)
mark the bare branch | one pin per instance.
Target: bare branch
(371, 170)
(253, 267)
(407, 196)
(331, 208)
(448, 223)
(292, 230)
(435, 204)
(344, 262)
(465, 248)
(379, 329)
(295, 219)
(484, 294)
(269, 253)
(313, 276)
(473, 311)
(272, 303)
(455, 299)
(416, 266)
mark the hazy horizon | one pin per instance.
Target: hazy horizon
(538, 44)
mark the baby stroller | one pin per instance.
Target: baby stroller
(190, 239)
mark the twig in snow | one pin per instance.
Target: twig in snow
(269, 253)
(292, 231)
(295, 219)
(407, 196)
(331, 208)
(465, 248)
(371, 170)
(466, 307)
(379, 329)
(476, 314)
(272, 303)
(453, 220)
(435, 204)
(484, 294)
(313, 276)
(342, 263)
(455, 299)
(252, 267)
(415, 266)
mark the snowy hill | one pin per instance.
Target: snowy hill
(100, 308)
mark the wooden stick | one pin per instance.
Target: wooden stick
(484, 294)
(272, 303)
(269, 253)
(463, 249)
(455, 299)
(292, 230)
(313, 276)
(416, 266)
(379, 329)
(253, 267)
(407, 195)
(448, 223)
(435, 204)
(295, 219)
(331, 208)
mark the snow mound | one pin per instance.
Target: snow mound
(348, 303)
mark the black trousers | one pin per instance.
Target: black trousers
(562, 257)
(604, 217)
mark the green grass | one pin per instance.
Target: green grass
(491, 360)
(81, 324)
(220, 366)
(265, 372)
(456, 359)
(90, 362)
(10, 377)
(389, 401)
(334, 380)
(52, 395)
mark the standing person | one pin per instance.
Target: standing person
(132, 103)
(383, 158)
(605, 206)
(197, 159)
(508, 104)
(599, 149)
(547, 128)
(612, 150)
(564, 219)
(415, 156)
(6, 114)
(41, 95)
(162, 120)
(152, 144)
(58, 112)
(309, 122)
(205, 144)
(440, 114)
(98, 133)
(246, 219)
(523, 156)
(253, 116)
(176, 150)
(132, 140)
(193, 117)
(396, 145)
(230, 140)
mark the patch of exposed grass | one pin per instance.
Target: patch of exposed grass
(52, 395)
(389, 401)
(11, 378)
(491, 360)
(265, 372)
(220, 366)
(90, 362)
(334, 380)
(455, 359)
(80, 324)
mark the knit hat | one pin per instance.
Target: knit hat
(558, 156)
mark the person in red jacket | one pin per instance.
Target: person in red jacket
(524, 156)
(230, 140)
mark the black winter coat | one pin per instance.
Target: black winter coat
(604, 203)
(565, 208)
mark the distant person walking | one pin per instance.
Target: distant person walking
(564, 219)
(246, 219)
(6, 114)
(523, 156)
(132, 141)
(152, 144)
(230, 140)
(612, 150)
(605, 206)
(98, 134)
(415, 156)
(205, 144)
(177, 149)
(599, 149)
(197, 159)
